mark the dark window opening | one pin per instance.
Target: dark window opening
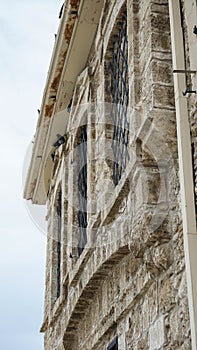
(119, 91)
(82, 188)
(113, 345)
(59, 228)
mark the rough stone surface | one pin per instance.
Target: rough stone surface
(131, 283)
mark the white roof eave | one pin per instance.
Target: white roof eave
(84, 29)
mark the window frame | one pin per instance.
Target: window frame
(59, 242)
(82, 188)
(117, 87)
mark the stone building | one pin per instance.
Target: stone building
(115, 160)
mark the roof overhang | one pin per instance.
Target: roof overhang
(75, 37)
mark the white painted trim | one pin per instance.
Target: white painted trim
(185, 167)
(82, 38)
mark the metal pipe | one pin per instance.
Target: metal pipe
(185, 167)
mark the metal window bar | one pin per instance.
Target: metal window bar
(59, 228)
(119, 90)
(82, 189)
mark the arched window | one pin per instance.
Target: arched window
(82, 187)
(59, 240)
(118, 91)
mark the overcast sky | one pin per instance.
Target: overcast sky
(27, 30)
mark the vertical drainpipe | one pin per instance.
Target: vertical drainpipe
(185, 166)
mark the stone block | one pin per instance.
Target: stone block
(163, 96)
(166, 294)
(157, 335)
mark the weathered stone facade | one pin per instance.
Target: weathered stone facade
(129, 280)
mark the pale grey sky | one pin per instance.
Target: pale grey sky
(27, 30)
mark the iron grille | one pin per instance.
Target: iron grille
(82, 189)
(119, 91)
(59, 228)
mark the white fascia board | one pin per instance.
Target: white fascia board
(78, 51)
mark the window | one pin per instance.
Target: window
(113, 345)
(82, 188)
(119, 95)
(59, 228)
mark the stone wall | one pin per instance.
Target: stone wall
(130, 279)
